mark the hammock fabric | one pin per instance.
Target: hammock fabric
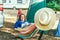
(1, 8)
(28, 31)
(28, 36)
(19, 12)
(35, 5)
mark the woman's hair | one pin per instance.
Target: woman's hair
(19, 19)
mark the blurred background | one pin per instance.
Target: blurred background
(10, 16)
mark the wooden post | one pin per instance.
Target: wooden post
(41, 34)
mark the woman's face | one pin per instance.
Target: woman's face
(22, 17)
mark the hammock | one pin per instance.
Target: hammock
(28, 36)
(31, 30)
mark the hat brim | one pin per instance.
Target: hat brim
(52, 21)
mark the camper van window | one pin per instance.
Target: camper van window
(19, 1)
(4, 1)
(9, 1)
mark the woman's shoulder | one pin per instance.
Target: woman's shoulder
(18, 21)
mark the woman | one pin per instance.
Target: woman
(23, 26)
(21, 22)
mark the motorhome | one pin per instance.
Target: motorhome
(15, 3)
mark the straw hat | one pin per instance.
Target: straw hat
(45, 19)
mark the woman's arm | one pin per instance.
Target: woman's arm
(16, 25)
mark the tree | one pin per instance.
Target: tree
(58, 1)
(54, 4)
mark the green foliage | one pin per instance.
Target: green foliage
(54, 5)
